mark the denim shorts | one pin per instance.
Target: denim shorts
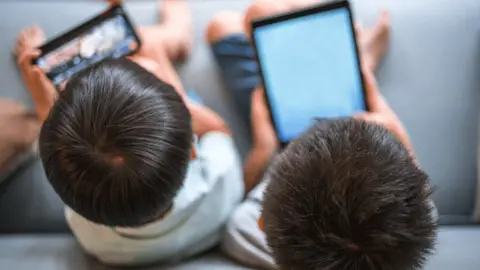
(236, 59)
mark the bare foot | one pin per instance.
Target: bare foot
(177, 18)
(42, 90)
(373, 42)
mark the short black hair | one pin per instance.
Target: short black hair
(348, 195)
(116, 144)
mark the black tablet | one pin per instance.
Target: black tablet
(108, 35)
(310, 67)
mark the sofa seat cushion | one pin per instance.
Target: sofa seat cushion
(61, 252)
(457, 248)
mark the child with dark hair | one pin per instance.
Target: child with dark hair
(347, 194)
(356, 199)
(116, 145)
(147, 174)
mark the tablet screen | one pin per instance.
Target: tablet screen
(112, 37)
(310, 70)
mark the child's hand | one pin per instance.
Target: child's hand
(264, 141)
(263, 133)
(380, 111)
(205, 120)
(41, 88)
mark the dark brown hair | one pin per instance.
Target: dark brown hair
(116, 144)
(348, 195)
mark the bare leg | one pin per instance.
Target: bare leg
(265, 8)
(42, 90)
(160, 65)
(173, 34)
(167, 42)
(372, 42)
(224, 24)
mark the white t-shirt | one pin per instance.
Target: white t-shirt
(213, 188)
(243, 240)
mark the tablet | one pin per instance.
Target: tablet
(310, 67)
(108, 35)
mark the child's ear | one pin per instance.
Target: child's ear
(260, 224)
(193, 154)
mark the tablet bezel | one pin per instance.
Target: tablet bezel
(320, 8)
(74, 33)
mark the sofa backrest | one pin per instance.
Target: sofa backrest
(430, 77)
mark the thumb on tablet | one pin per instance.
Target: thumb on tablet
(265, 8)
(25, 59)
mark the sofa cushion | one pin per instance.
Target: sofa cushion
(61, 252)
(457, 248)
(29, 204)
(430, 77)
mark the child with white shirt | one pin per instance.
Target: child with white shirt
(147, 174)
(347, 194)
(119, 149)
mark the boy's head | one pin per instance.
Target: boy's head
(348, 195)
(116, 144)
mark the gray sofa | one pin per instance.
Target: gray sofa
(430, 76)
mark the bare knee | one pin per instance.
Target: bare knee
(224, 24)
(263, 8)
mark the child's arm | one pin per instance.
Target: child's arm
(254, 166)
(205, 120)
(41, 88)
(264, 142)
